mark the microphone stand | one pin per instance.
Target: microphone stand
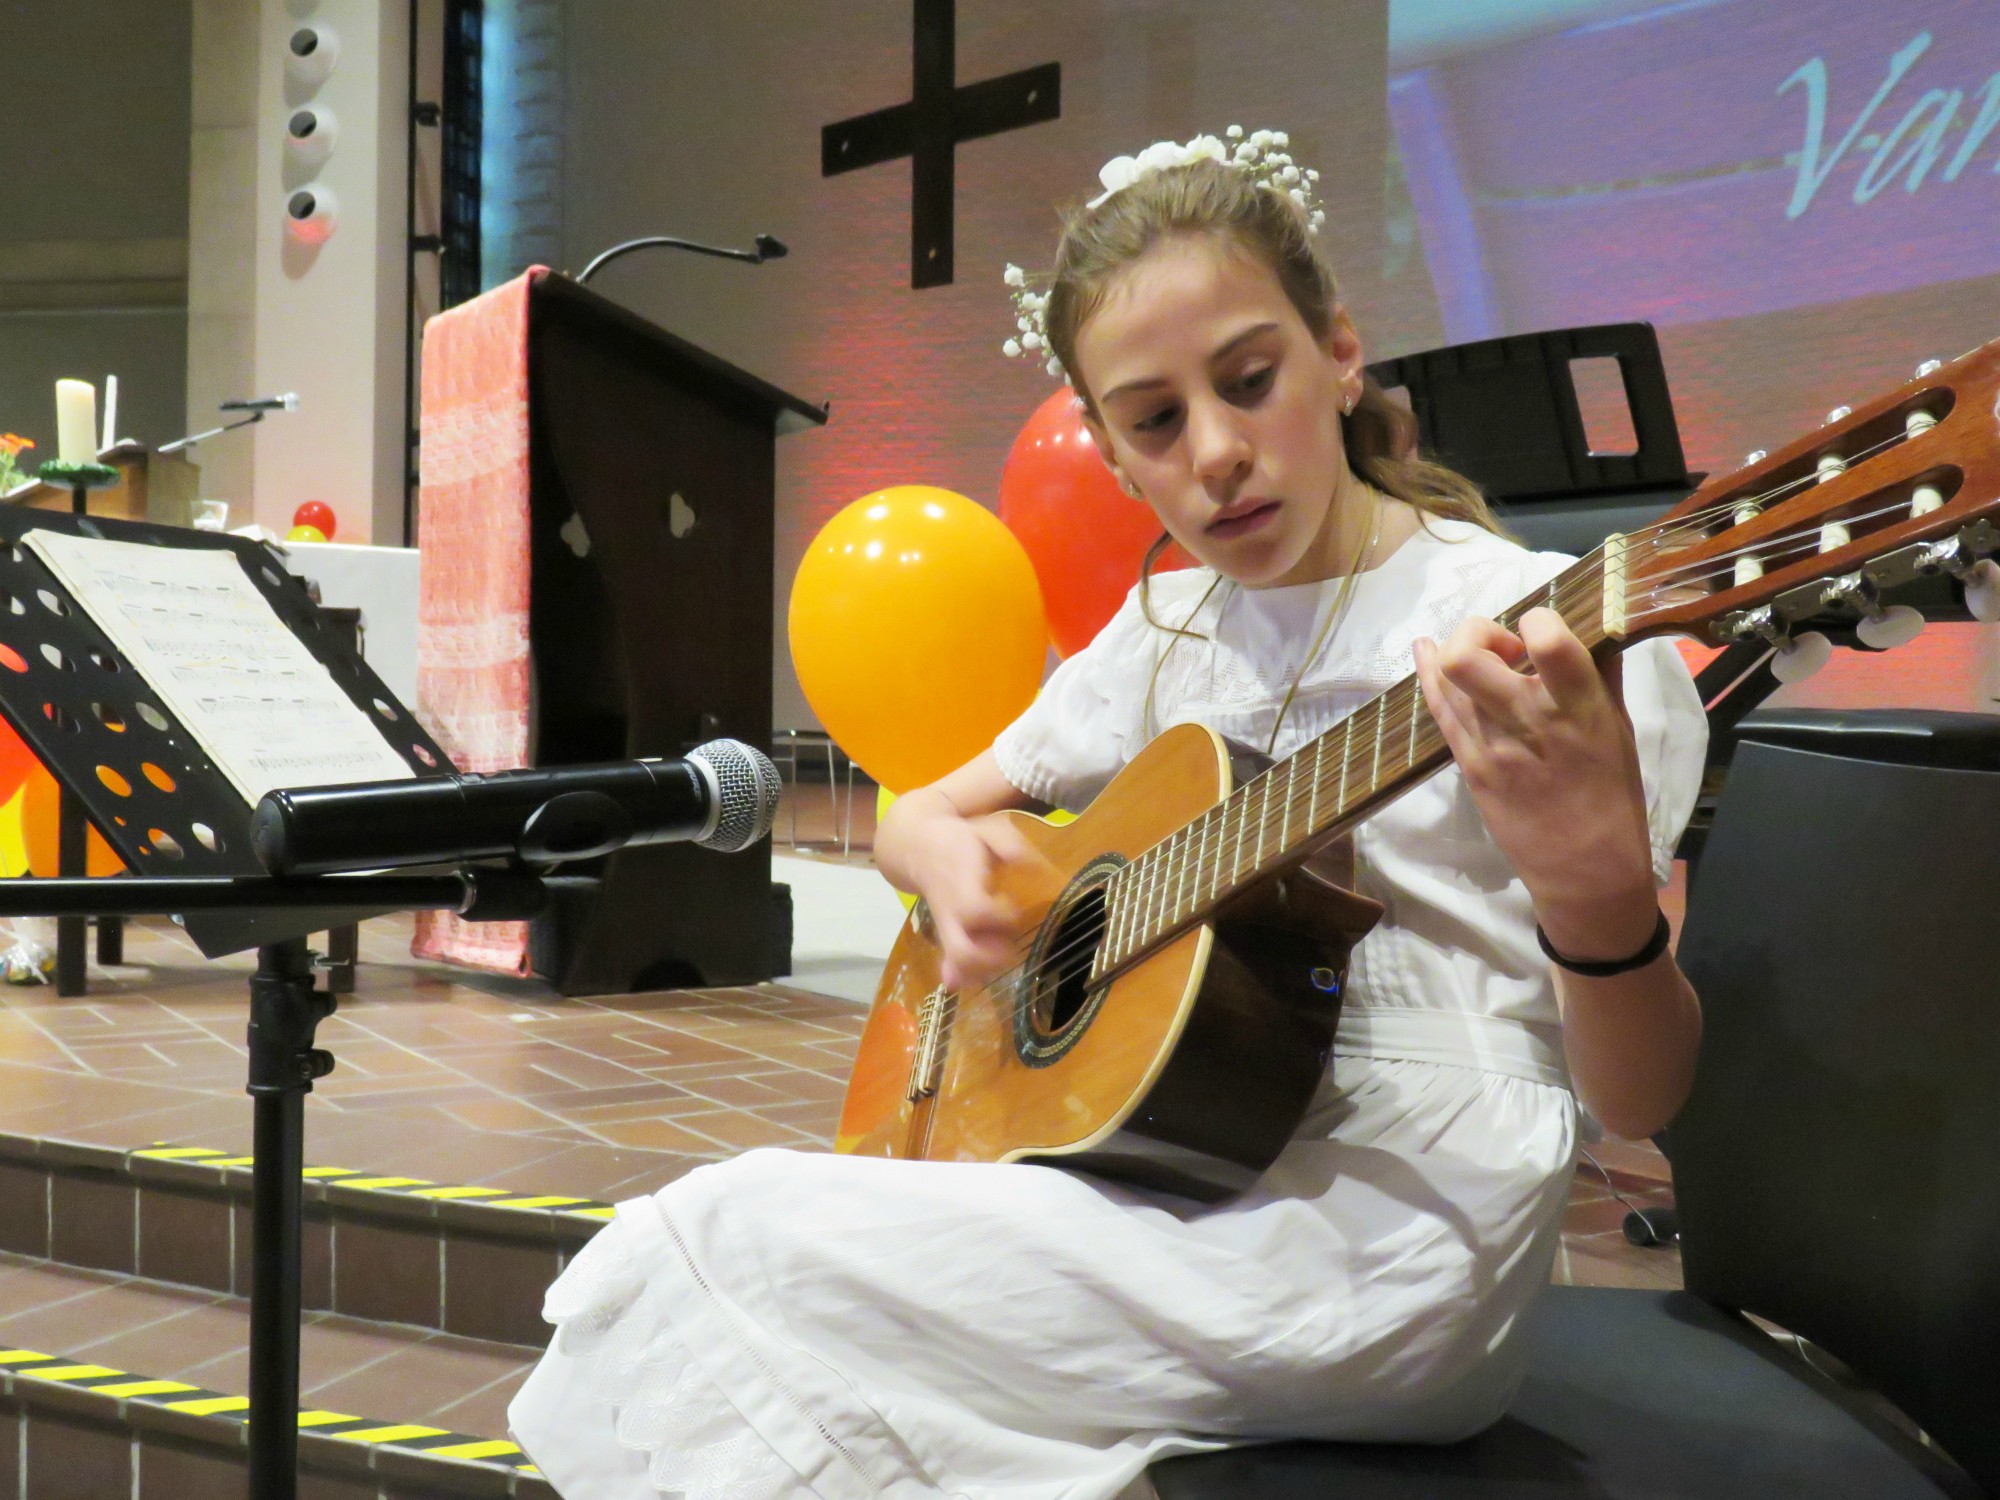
(197, 437)
(286, 1005)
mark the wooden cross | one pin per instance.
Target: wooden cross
(938, 116)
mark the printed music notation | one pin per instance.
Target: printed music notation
(208, 642)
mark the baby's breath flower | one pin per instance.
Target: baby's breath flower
(1261, 156)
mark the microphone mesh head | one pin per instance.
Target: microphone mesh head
(747, 793)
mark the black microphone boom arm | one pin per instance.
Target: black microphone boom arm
(722, 795)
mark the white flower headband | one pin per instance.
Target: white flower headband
(1262, 155)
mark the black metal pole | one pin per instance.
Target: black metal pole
(284, 1009)
(405, 432)
(72, 849)
(275, 1230)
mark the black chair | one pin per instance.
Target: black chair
(1835, 1171)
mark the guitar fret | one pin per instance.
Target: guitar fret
(1416, 703)
(1381, 718)
(1346, 742)
(1312, 808)
(1226, 849)
(1285, 809)
(1257, 861)
(1112, 951)
(1207, 867)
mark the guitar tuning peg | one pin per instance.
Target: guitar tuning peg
(1799, 657)
(1982, 590)
(1897, 625)
(1929, 367)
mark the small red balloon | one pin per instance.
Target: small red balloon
(1085, 536)
(315, 513)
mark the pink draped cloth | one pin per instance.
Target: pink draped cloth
(472, 609)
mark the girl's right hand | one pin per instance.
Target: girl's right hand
(967, 869)
(948, 843)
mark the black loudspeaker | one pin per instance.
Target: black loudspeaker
(651, 475)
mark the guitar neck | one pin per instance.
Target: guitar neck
(1274, 822)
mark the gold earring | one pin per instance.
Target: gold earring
(1128, 486)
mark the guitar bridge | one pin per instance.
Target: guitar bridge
(927, 1065)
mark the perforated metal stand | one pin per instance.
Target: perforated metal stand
(125, 762)
(286, 1007)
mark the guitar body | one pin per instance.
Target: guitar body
(1188, 1072)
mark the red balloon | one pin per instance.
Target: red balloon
(16, 761)
(1085, 536)
(315, 513)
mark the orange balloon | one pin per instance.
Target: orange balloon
(16, 761)
(38, 828)
(917, 632)
(1085, 536)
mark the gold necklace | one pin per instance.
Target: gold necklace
(1334, 616)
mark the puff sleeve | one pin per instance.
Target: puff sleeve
(1672, 733)
(1087, 722)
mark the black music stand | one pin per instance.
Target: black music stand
(183, 831)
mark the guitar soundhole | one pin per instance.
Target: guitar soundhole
(1058, 998)
(1063, 987)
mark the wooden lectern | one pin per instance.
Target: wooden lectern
(652, 498)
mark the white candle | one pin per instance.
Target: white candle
(76, 421)
(110, 413)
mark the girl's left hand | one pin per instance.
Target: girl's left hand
(1540, 734)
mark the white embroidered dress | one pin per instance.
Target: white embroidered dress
(788, 1325)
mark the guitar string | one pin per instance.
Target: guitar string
(1204, 868)
(1422, 741)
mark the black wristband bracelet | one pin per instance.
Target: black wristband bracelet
(1605, 968)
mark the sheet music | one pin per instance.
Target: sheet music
(262, 706)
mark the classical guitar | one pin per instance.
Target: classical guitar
(1173, 1006)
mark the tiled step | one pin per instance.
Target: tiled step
(112, 1386)
(461, 1259)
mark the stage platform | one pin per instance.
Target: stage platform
(472, 1137)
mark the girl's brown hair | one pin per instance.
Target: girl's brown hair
(1208, 197)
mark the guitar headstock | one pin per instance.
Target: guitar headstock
(1878, 495)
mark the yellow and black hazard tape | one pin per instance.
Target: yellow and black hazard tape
(350, 1180)
(18, 1366)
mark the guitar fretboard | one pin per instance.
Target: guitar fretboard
(1276, 820)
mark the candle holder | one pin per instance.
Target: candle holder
(78, 479)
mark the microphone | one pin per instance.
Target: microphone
(287, 402)
(765, 247)
(723, 795)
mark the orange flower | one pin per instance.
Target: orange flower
(12, 443)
